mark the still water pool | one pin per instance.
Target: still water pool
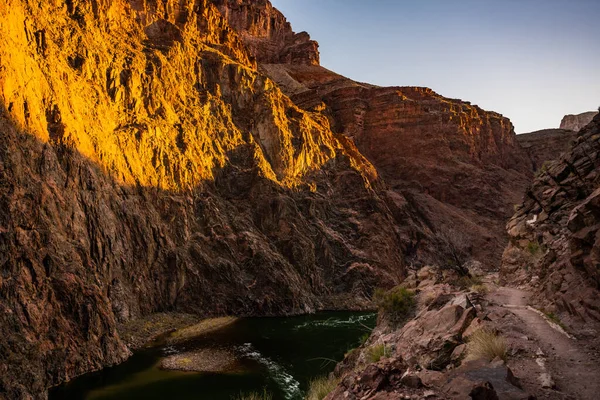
(279, 355)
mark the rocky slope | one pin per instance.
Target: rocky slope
(554, 235)
(428, 357)
(458, 165)
(146, 166)
(545, 145)
(576, 122)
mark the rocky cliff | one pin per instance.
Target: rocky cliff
(545, 145)
(267, 33)
(554, 235)
(576, 122)
(146, 165)
(461, 167)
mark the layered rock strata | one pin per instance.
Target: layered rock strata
(554, 235)
(545, 145)
(147, 166)
(267, 33)
(461, 167)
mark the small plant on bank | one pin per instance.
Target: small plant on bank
(396, 304)
(535, 249)
(554, 318)
(363, 339)
(254, 396)
(486, 344)
(319, 388)
(377, 352)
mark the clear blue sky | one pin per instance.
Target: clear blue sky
(532, 60)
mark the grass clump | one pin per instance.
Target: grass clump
(486, 344)
(481, 289)
(319, 388)
(395, 304)
(554, 318)
(533, 248)
(467, 282)
(377, 352)
(254, 396)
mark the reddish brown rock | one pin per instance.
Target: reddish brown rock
(554, 234)
(546, 145)
(576, 122)
(456, 165)
(147, 166)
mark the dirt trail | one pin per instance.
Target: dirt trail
(574, 370)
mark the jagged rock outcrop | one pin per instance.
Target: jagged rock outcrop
(145, 166)
(554, 235)
(545, 145)
(425, 358)
(267, 33)
(576, 122)
(458, 165)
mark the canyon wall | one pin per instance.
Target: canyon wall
(146, 165)
(554, 235)
(459, 166)
(267, 33)
(576, 122)
(545, 145)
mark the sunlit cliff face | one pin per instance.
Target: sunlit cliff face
(157, 93)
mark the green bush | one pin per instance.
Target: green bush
(319, 388)
(375, 353)
(396, 304)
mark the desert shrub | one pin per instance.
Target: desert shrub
(481, 289)
(254, 396)
(319, 388)
(534, 248)
(396, 304)
(486, 344)
(377, 352)
(454, 247)
(469, 282)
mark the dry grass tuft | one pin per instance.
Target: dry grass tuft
(254, 396)
(481, 289)
(377, 352)
(319, 388)
(486, 344)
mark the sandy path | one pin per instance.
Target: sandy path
(574, 370)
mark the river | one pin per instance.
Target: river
(279, 355)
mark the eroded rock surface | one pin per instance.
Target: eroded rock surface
(267, 33)
(546, 145)
(576, 122)
(554, 240)
(457, 165)
(147, 166)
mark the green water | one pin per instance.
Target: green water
(280, 355)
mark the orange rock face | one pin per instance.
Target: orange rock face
(456, 165)
(146, 165)
(267, 33)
